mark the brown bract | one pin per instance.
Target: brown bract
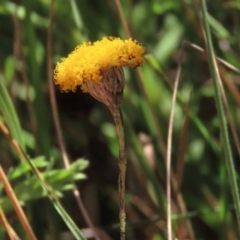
(110, 89)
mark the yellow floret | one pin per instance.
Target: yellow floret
(87, 60)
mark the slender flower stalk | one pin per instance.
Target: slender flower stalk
(122, 163)
(98, 69)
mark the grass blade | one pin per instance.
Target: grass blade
(9, 113)
(223, 123)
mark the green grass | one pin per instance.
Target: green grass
(205, 207)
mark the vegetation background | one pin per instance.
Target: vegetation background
(197, 161)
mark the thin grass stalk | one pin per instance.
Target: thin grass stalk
(19, 55)
(226, 64)
(6, 225)
(157, 130)
(182, 148)
(229, 115)
(158, 192)
(122, 162)
(57, 124)
(223, 123)
(21, 215)
(169, 148)
(40, 106)
(176, 181)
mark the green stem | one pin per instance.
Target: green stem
(122, 162)
(223, 123)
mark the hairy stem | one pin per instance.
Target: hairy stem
(122, 162)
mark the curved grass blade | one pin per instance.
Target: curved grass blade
(223, 123)
(8, 111)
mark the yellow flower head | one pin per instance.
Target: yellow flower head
(87, 60)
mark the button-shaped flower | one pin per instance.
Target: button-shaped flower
(98, 66)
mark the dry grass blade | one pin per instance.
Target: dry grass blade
(3, 220)
(122, 18)
(16, 205)
(233, 89)
(57, 124)
(230, 84)
(182, 149)
(19, 55)
(228, 65)
(162, 144)
(5, 224)
(169, 146)
(179, 174)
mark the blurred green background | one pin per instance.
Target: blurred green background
(87, 125)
